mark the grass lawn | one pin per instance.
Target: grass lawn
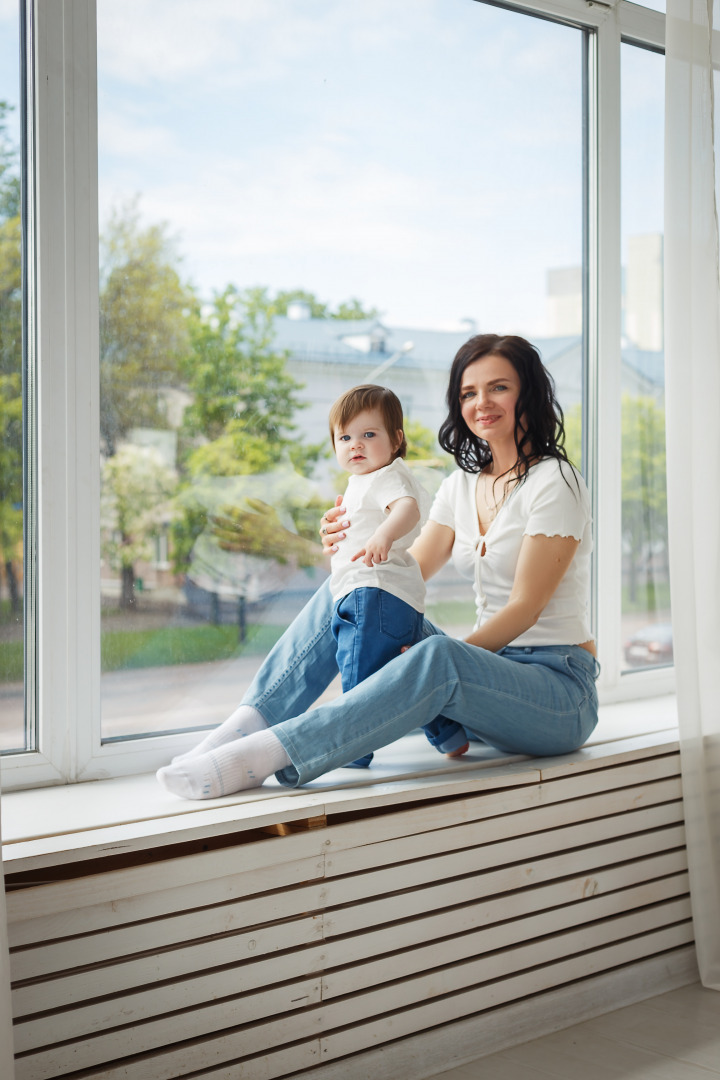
(127, 649)
(123, 649)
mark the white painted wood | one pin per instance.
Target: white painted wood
(512, 938)
(74, 894)
(522, 811)
(45, 1065)
(145, 1003)
(560, 897)
(504, 840)
(469, 890)
(467, 1002)
(63, 918)
(430, 1052)
(360, 932)
(109, 885)
(364, 1033)
(145, 970)
(49, 827)
(176, 930)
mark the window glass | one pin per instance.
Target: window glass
(646, 621)
(296, 198)
(12, 718)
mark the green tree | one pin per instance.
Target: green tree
(135, 504)
(422, 445)
(573, 434)
(239, 423)
(11, 468)
(144, 325)
(644, 490)
(347, 309)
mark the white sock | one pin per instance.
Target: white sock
(236, 766)
(244, 721)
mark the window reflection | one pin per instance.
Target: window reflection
(12, 718)
(291, 204)
(646, 622)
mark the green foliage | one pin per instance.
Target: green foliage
(644, 488)
(573, 434)
(135, 501)
(11, 470)
(243, 399)
(354, 309)
(144, 336)
(422, 445)
(347, 309)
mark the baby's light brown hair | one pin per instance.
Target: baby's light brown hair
(353, 402)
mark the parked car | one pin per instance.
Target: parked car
(651, 646)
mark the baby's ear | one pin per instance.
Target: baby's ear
(399, 436)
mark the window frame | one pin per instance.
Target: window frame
(61, 245)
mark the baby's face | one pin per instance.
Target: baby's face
(364, 445)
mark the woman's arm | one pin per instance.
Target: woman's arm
(541, 566)
(433, 548)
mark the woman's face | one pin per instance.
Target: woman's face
(489, 390)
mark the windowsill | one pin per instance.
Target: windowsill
(49, 826)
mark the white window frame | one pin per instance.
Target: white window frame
(63, 261)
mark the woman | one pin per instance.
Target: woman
(515, 518)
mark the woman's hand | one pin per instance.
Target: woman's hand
(332, 526)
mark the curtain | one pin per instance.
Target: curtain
(692, 358)
(7, 1067)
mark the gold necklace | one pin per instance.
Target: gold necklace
(491, 506)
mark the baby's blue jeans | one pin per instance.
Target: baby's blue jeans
(537, 700)
(370, 626)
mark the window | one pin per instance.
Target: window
(283, 202)
(344, 211)
(646, 621)
(13, 733)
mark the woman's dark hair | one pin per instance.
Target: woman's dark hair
(539, 427)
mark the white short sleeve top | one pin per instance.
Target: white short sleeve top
(552, 501)
(366, 500)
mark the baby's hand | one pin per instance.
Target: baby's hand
(375, 551)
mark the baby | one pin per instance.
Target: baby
(378, 590)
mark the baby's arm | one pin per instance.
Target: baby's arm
(404, 516)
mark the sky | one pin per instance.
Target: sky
(423, 156)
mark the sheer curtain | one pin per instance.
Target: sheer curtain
(7, 1068)
(692, 357)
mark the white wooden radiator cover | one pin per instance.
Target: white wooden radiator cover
(297, 949)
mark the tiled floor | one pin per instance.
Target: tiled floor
(675, 1036)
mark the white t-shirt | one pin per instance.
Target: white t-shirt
(366, 500)
(552, 501)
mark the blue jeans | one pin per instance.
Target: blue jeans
(370, 626)
(538, 700)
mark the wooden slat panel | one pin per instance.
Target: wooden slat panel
(132, 1007)
(461, 972)
(507, 936)
(612, 891)
(113, 1046)
(466, 890)
(596, 819)
(468, 1002)
(82, 919)
(94, 890)
(173, 963)
(154, 935)
(224, 919)
(234, 1045)
(86, 904)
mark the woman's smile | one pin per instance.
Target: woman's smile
(488, 394)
